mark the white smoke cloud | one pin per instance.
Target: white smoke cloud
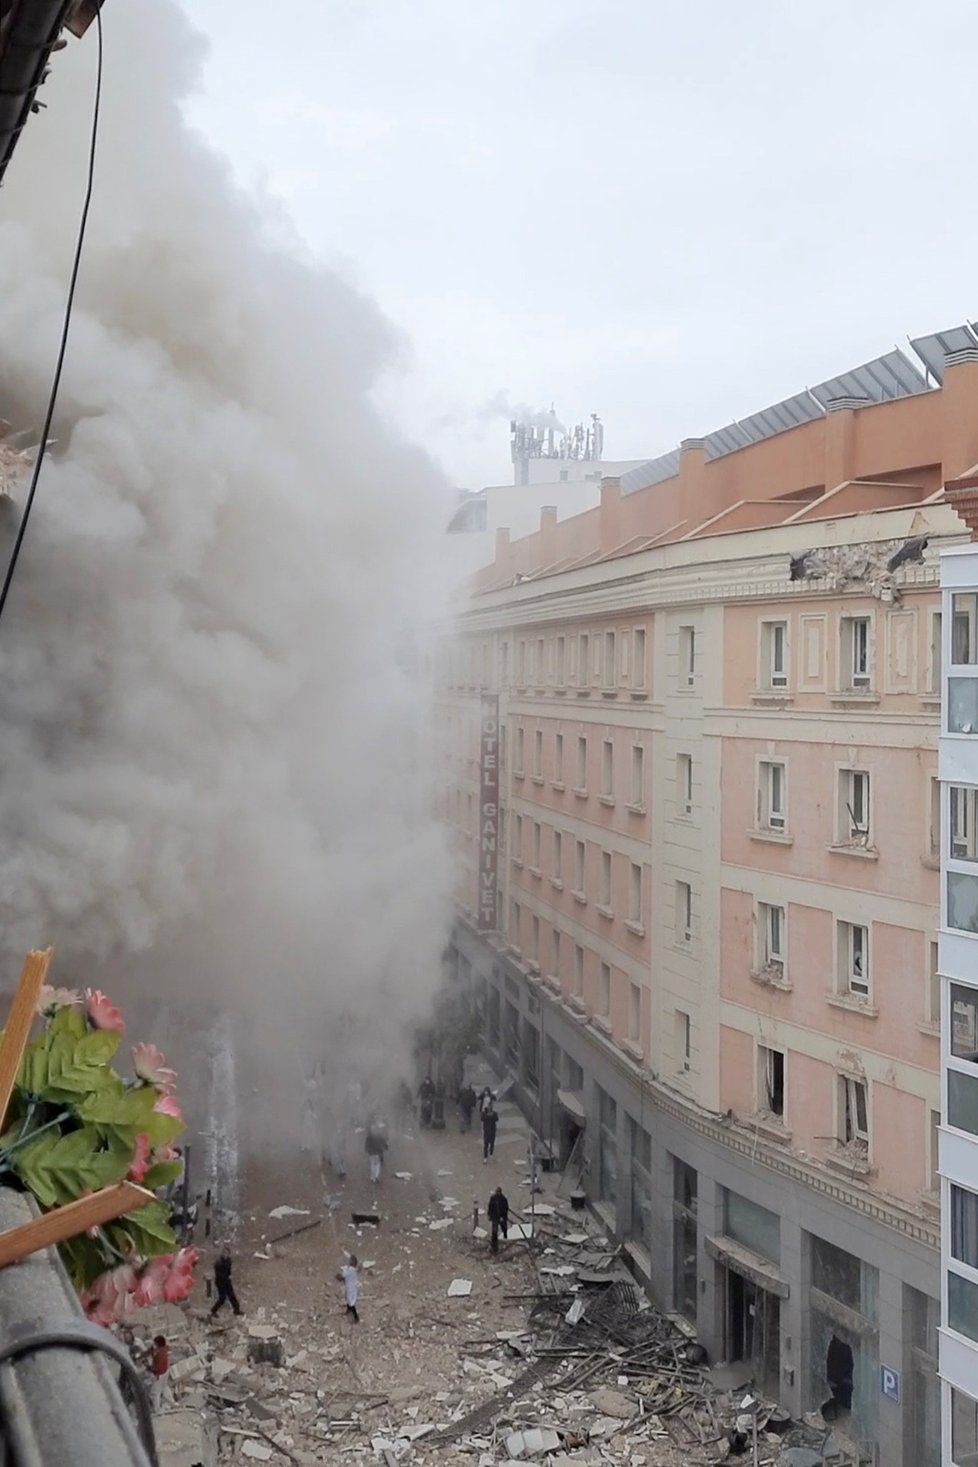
(214, 782)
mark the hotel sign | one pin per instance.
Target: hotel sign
(488, 812)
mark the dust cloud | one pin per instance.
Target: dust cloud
(215, 781)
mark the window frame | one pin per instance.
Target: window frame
(849, 1087)
(767, 1055)
(683, 914)
(684, 786)
(852, 984)
(687, 658)
(769, 821)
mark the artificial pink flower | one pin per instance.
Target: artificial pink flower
(167, 1106)
(180, 1279)
(149, 1288)
(110, 1294)
(50, 999)
(149, 1064)
(102, 1011)
(140, 1163)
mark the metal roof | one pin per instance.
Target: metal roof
(895, 374)
(932, 349)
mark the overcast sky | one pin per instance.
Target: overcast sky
(669, 212)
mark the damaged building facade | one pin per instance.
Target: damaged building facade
(690, 775)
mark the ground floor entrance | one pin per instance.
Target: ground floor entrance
(754, 1330)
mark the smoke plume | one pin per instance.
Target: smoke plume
(214, 787)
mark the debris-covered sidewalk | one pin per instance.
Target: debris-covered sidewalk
(545, 1351)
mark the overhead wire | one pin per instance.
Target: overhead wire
(66, 326)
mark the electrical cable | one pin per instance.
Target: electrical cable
(69, 304)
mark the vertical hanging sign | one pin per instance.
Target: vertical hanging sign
(488, 811)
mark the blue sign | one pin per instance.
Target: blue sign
(890, 1383)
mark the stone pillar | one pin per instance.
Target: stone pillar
(793, 1313)
(891, 1352)
(710, 1300)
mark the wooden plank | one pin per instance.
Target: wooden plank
(18, 1029)
(66, 1222)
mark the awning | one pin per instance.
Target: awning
(573, 1104)
(748, 1264)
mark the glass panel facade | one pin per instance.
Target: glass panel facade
(753, 1226)
(964, 1430)
(962, 705)
(962, 1305)
(962, 1101)
(962, 901)
(964, 1022)
(641, 1179)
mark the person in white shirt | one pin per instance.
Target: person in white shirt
(349, 1277)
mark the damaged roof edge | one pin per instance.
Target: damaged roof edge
(26, 41)
(62, 1403)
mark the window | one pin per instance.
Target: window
(964, 1226)
(558, 758)
(770, 1080)
(555, 963)
(560, 672)
(604, 990)
(538, 754)
(853, 807)
(539, 665)
(964, 1429)
(638, 657)
(634, 1012)
(853, 1113)
(684, 911)
(514, 926)
(605, 897)
(518, 761)
(535, 939)
(518, 840)
(558, 857)
(856, 653)
(964, 629)
(607, 770)
(964, 1023)
(687, 656)
(684, 784)
(608, 668)
(683, 1039)
(581, 779)
(521, 664)
(934, 824)
(771, 797)
(583, 657)
(933, 1011)
(635, 895)
(579, 868)
(470, 809)
(964, 823)
(854, 959)
(935, 661)
(637, 792)
(774, 654)
(537, 836)
(624, 658)
(771, 943)
(578, 972)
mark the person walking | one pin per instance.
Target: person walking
(426, 1097)
(466, 1105)
(498, 1214)
(489, 1122)
(486, 1097)
(349, 1277)
(159, 1368)
(375, 1145)
(222, 1283)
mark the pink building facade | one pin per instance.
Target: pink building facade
(712, 965)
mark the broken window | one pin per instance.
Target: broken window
(856, 653)
(854, 959)
(854, 1113)
(771, 935)
(684, 911)
(854, 809)
(771, 809)
(964, 628)
(684, 784)
(687, 656)
(774, 655)
(604, 991)
(771, 1076)
(963, 824)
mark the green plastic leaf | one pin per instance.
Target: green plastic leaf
(148, 1229)
(68, 1020)
(161, 1175)
(58, 1168)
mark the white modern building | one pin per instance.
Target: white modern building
(958, 966)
